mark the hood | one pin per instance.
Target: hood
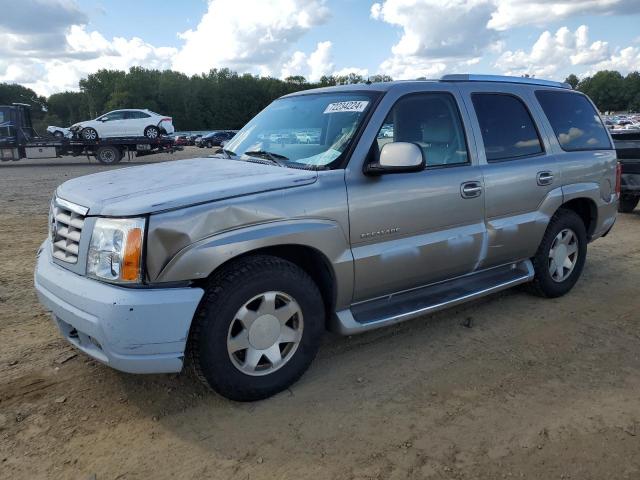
(164, 186)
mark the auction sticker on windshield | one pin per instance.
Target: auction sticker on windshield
(352, 106)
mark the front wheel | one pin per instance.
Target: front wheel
(89, 134)
(257, 328)
(151, 132)
(628, 204)
(561, 255)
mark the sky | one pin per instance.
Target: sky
(49, 45)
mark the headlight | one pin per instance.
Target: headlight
(115, 252)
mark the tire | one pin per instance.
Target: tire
(546, 284)
(151, 132)
(216, 326)
(628, 204)
(209, 144)
(108, 155)
(89, 134)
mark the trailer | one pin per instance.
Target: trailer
(19, 140)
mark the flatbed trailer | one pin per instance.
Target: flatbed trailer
(18, 140)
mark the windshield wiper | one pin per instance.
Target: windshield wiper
(275, 158)
(228, 153)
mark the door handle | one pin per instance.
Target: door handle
(470, 189)
(544, 178)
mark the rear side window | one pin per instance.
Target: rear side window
(508, 131)
(135, 115)
(574, 121)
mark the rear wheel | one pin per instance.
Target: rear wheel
(628, 204)
(257, 328)
(151, 132)
(561, 255)
(89, 134)
(108, 155)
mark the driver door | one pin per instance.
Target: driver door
(412, 229)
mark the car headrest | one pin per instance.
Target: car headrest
(438, 130)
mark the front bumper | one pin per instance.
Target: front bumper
(129, 329)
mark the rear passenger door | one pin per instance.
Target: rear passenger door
(519, 170)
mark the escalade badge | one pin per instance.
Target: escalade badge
(378, 233)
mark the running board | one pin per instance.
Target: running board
(409, 304)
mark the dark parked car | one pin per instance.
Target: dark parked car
(192, 139)
(214, 139)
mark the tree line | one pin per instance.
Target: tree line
(215, 100)
(222, 98)
(610, 91)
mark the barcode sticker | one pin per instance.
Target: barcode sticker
(352, 106)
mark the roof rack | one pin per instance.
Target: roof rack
(465, 77)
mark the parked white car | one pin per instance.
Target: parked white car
(59, 132)
(125, 123)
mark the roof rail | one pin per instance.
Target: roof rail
(466, 77)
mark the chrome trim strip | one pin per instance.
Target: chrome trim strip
(75, 208)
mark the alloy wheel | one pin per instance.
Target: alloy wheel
(563, 255)
(265, 333)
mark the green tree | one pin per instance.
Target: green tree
(572, 80)
(605, 88)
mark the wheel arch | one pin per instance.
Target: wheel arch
(311, 260)
(318, 246)
(586, 209)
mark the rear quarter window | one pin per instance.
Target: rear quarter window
(575, 122)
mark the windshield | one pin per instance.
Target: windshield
(312, 130)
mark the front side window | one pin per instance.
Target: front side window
(508, 131)
(575, 122)
(314, 130)
(431, 121)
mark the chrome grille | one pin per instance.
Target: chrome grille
(66, 221)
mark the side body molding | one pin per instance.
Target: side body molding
(327, 237)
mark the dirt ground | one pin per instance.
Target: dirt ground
(535, 389)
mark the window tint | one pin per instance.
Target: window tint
(118, 115)
(133, 114)
(507, 128)
(432, 122)
(574, 121)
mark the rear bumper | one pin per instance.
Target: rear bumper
(132, 330)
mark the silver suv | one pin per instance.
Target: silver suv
(405, 198)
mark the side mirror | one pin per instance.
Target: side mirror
(397, 157)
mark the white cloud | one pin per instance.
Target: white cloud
(312, 66)
(250, 36)
(552, 53)
(82, 53)
(514, 13)
(624, 60)
(436, 34)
